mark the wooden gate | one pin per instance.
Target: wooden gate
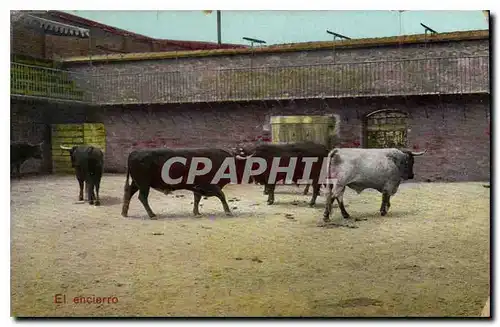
(386, 128)
(71, 135)
(293, 129)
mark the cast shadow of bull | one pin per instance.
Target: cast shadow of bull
(368, 215)
(187, 215)
(106, 201)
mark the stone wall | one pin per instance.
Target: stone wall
(411, 69)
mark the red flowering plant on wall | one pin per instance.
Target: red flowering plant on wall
(350, 144)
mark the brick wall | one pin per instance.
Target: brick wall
(30, 121)
(101, 42)
(27, 42)
(453, 128)
(341, 55)
(359, 72)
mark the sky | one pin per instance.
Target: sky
(277, 27)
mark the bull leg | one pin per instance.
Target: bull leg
(385, 204)
(270, 189)
(97, 200)
(80, 183)
(328, 204)
(316, 188)
(90, 192)
(334, 193)
(266, 191)
(345, 214)
(306, 190)
(143, 197)
(128, 193)
(197, 198)
(222, 199)
(18, 171)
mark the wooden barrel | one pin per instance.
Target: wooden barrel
(294, 129)
(71, 135)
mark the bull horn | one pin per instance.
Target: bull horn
(244, 158)
(65, 147)
(415, 154)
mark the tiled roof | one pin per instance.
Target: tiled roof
(188, 45)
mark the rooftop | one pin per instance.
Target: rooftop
(305, 46)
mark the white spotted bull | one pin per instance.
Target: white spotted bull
(360, 169)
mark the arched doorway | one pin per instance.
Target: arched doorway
(386, 128)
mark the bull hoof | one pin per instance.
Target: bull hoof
(229, 214)
(91, 202)
(197, 214)
(124, 214)
(97, 203)
(270, 202)
(383, 213)
(153, 217)
(312, 204)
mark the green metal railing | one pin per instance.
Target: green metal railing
(450, 75)
(44, 82)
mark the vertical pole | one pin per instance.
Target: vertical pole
(218, 28)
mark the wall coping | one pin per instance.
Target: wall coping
(305, 46)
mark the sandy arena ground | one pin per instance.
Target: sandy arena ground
(428, 257)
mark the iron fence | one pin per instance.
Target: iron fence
(455, 75)
(45, 82)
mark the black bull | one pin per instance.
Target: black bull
(20, 152)
(88, 162)
(145, 168)
(285, 152)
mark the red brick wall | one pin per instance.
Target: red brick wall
(458, 145)
(200, 79)
(27, 42)
(31, 120)
(454, 129)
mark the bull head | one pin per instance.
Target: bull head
(241, 154)
(71, 150)
(407, 164)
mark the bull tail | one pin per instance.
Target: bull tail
(126, 193)
(127, 185)
(331, 154)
